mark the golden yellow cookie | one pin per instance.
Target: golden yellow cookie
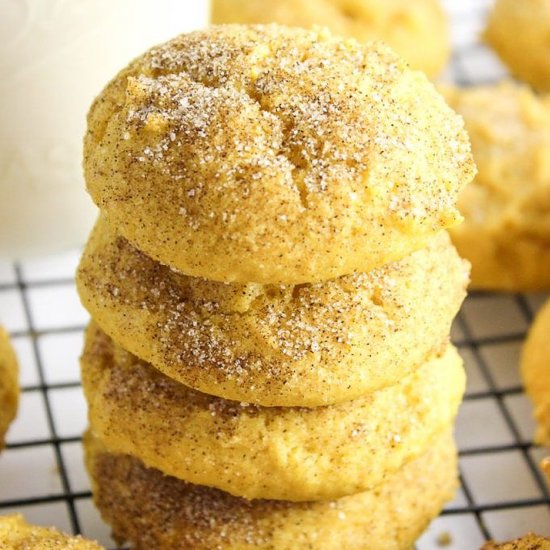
(9, 384)
(17, 534)
(257, 452)
(528, 542)
(152, 510)
(304, 345)
(545, 465)
(274, 155)
(506, 232)
(535, 370)
(518, 30)
(417, 31)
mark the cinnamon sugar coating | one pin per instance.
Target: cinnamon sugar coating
(273, 345)
(17, 534)
(274, 155)
(152, 510)
(281, 453)
(528, 542)
(9, 384)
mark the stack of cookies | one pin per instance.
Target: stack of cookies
(272, 289)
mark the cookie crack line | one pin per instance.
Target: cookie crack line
(291, 151)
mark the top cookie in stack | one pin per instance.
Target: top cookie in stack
(274, 155)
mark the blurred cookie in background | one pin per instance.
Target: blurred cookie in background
(519, 31)
(418, 30)
(9, 385)
(506, 233)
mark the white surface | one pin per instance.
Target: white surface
(502, 361)
(60, 353)
(473, 419)
(494, 316)
(506, 524)
(55, 307)
(12, 313)
(55, 56)
(29, 472)
(493, 475)
(463, 532)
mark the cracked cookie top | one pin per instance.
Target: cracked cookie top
(274, 155)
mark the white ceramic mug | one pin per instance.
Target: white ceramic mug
(55, 56)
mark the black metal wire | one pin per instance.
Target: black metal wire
(63, 474)
(475, 345)
(467, 341)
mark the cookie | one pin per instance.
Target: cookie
(9, 385)
(294, 345)
(418, 31)
(506, 232)
(17, 534)
(274, 155)
(528, 542)
(519, 31)
(535, 370)
(295, 454)
(152, 510)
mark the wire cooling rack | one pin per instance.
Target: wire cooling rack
(502, 493)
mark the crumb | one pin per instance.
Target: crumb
(444, 539)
